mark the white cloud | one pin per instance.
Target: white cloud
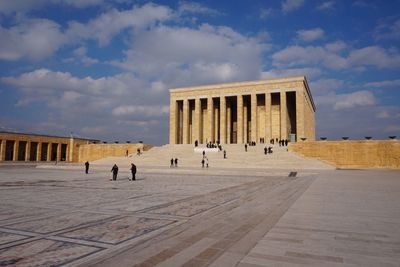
(265, 13)
(22, 6)
(310, 35)
(291, 5)
(360, 98)
(279, 73)
(80, 55)
(328, 5)
(380, 84)
(374, 56)
(388, 29)
(195, 8)
(140, 110)
(383, 114)
(325, 86)
(105, 26)
(336, 46)
(180, 56)
(311, 55)
(35, 39)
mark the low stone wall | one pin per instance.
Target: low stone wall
(352, 154)
(93, 152)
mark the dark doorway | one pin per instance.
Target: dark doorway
(291, 107)
(21, 150)
(54, 148)
(9, 150)
(33, 153)
(43, 156)
(63, 152)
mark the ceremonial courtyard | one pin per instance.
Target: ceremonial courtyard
(244, 217)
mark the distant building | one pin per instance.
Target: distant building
(37, 147)
(242, 112)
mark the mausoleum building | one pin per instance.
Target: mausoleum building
(242, 112)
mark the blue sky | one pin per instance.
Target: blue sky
(102, 69)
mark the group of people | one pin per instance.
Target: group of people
(114, 171)
(281, 142)
(174, 162)
(267, 150)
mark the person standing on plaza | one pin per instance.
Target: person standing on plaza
(176, 162)
(245, 147)
(87, 167)
(202, 163)
(114, 170)
(172, 162)
(224, 154)
(133, 171)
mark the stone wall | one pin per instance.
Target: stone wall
(93, 152)
(352, 154)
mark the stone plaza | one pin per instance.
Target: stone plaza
(242, 217)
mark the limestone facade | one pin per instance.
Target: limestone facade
(34, 147)
(91, 152)
(242, 112)
(353, 153)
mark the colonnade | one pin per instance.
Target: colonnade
(255, 117)
(21, 150)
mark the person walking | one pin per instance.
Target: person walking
(133, 171)
(176, 162)
(224, 154)
(114, 170)
(202, 163)
(265, 150)
(206, 162)
(245, 147)
(87, 167)
(172, 163)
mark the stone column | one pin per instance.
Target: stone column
(39, 152)
(28, 151)
(172, 121)
(228, 123)
(210, 119)
(283, 116)
(245, 123)
(254, 117)
(3, 150)
(185, 115)
(240, 119)
(222, 120)
(49, 145)
(196, 122)
(268, 130)
(16, 149)
(300, 133)
(71, 149)
(59, 152)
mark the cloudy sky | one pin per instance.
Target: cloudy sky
(102, 69)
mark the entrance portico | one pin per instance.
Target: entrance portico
(254, 111)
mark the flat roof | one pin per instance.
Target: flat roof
(46, 135)
(234, 84)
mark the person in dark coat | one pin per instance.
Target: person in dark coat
(245, 147)
(87, 167)
(224, 154)
(172, 162)
(265, 150)
(176, 162)
(202, 163)
(114, 170)
(133, 170)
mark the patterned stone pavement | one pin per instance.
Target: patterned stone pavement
(66, 218)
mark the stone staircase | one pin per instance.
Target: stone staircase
(237, 158)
